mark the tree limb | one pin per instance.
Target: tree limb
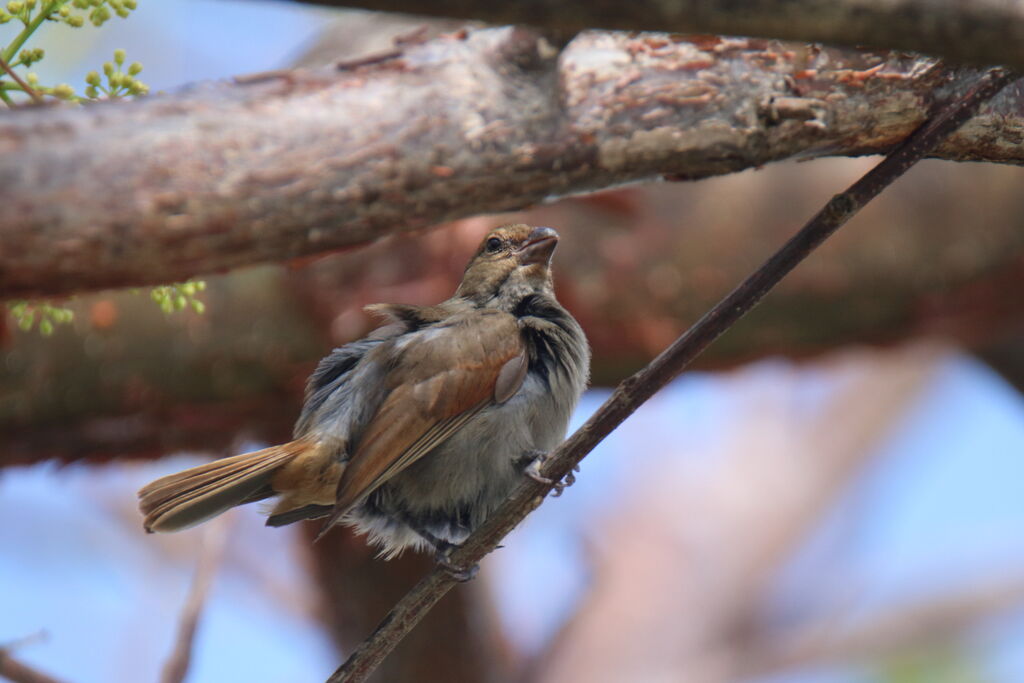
(296, 163)
(635, 390)
(980, 31)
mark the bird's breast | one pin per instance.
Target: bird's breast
(482, 461)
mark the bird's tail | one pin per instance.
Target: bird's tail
(179, 501)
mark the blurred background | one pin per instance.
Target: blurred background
(833, 494)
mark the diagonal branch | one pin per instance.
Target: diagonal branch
(635, 390)
(295, 163)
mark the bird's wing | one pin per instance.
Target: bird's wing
(442, 376)
(334, 370)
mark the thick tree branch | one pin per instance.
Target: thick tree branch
(635, 390)
(297, 163)
(980, 31)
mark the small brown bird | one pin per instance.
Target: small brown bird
(415, 433)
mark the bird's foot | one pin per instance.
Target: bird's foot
(532, 470)
(443, 555)
(443, 558)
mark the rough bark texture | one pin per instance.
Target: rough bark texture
(298, 163)
(980, 31)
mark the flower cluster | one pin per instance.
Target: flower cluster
(32, 14)
(119, 83)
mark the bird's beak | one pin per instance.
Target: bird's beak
(539, 247)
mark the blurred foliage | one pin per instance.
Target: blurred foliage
(175, 297)
(931, 665)
(48, 316)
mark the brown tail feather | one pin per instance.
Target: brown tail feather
(187, 498)
(311, 511)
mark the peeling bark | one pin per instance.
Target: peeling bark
(296, 163)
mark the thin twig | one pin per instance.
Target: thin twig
(36, 97)
(211, 551)
(14, 670)
(635, 390)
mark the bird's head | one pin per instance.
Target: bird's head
(513, 261)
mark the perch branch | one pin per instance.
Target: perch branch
(297, 163)
(980, 32)
(635, 390)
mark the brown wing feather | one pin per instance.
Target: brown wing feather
(439, 381)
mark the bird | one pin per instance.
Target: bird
(415, 433)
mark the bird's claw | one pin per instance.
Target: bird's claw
(533, 472)
(460, 574)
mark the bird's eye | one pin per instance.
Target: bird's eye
(493, 245)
